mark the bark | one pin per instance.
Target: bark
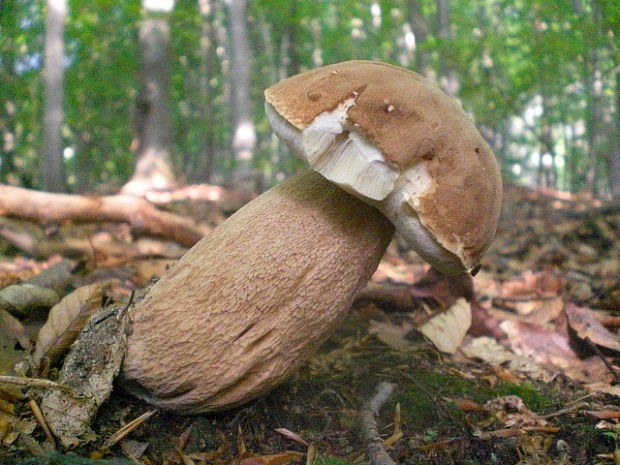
(614, 162)
(594, 95)
(8, 109)
(244, 133)
(206, 159)
(138, 213)
(153, 169)
(448, 79)
(420, 31)
(52, 166)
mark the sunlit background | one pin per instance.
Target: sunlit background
(540, 78)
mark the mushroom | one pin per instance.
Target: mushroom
(253, 299)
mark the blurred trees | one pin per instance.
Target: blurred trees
(540, 78)
(153, 135)
(52, 163)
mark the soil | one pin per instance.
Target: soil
(322, 403)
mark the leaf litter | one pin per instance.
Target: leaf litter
(476, 361)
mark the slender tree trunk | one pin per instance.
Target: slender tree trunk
(8, 78)
(52, 166)
(614, 162)
(206, 158)
(420, 32)
(294, 66)
(244, 133)
(152, 119)
(594, 95)
(448, 78)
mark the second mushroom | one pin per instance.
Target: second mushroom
(253, 299)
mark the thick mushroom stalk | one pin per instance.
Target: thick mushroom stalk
(253, 299)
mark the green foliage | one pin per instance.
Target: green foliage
(522, 66)
(330, 461)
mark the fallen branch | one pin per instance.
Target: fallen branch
(34, 383)
(140, 214)
(375, 450)
(227, 199)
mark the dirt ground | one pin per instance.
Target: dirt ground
(446, 409)
(322, 403)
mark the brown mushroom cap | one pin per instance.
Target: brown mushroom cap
(439, 171)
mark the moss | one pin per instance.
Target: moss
(424, 393)
(528, 392)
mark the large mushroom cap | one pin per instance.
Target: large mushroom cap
(391, 137)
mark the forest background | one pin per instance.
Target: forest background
(90, 88)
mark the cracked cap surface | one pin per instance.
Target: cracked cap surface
(436, 171)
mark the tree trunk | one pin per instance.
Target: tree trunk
(8, 24)
(206, 158)
(244, 133)
(152, 120)
(52, 166)
(614, 162)
(448, 78)
(594, 96)
(420, 32)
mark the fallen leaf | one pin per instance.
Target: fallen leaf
(551, 347)
(603, 388)
(65, 321)
(586, 325)
(14, 328)
(444, 289)
(488, 350)
(21, 299)
(391, 334)
(273, 459)
(447, 329)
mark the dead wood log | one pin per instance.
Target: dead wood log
(141, 215)
(226, 199)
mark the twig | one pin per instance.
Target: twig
(129, 304)
(375, 450)
(34, 383)
(600, 355)
(564, 411)
(41, 419)
(125, 430)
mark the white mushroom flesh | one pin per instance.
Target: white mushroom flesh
(335, 148)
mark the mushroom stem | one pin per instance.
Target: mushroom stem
(253, 299)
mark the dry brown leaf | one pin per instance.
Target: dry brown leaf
(21, 299)
(445, 289)
(533, 284)
(14, 329)
(603, 388)
(586, 325)
(488, 350)
(65, 321)
(467, 405)
(447, 329)
(391, 334)
(273, 459)
(41, 291)
(551, 347)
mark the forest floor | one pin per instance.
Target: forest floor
(534, 380)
